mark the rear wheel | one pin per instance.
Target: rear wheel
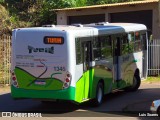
(136, 83)
(99, 94)
(158, 111)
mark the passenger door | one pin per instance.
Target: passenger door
(87, 59)
(116, 58)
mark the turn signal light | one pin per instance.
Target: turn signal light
(14, 80)
(67, 80)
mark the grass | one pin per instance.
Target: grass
(152, 80)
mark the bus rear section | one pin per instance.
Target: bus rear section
(40, 65)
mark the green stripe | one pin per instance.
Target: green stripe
(136, 60)
(26, 80)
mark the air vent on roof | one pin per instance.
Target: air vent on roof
(77, 25)
(102, 23)
(48, 25)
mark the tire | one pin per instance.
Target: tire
(158, 111)
(136, 83)
(99, 95)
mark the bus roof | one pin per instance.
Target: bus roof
(79, 30)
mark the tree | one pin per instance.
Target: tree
(43, 11)
(94, 2)
(26, 13)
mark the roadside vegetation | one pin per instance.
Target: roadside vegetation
(152, 79)
(27, 13)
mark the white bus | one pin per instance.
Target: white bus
(78, 62)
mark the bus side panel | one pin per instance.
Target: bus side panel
(104, 74)
(127, 70)
(87, 84)
(130, 63)
(83, 86)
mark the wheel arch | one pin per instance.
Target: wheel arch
(94, 87)
(101, 81)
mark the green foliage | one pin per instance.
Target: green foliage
(26, 13)
(45, 14)
(152, 80)
(77, 3)
(94, 2)
(1, 1)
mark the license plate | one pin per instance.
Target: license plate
(40, 82)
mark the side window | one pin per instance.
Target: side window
(125, 45)
(96, 48)
(131, 41)
(78, 51)
(102, 47)
(138, 42)
(106, 46)
(144, 41)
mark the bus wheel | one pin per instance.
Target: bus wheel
(158, 111)
(136, 83)
(99, 94)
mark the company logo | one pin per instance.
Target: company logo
(6, 114)
(46, 50)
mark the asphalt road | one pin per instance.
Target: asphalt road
(119, 104)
